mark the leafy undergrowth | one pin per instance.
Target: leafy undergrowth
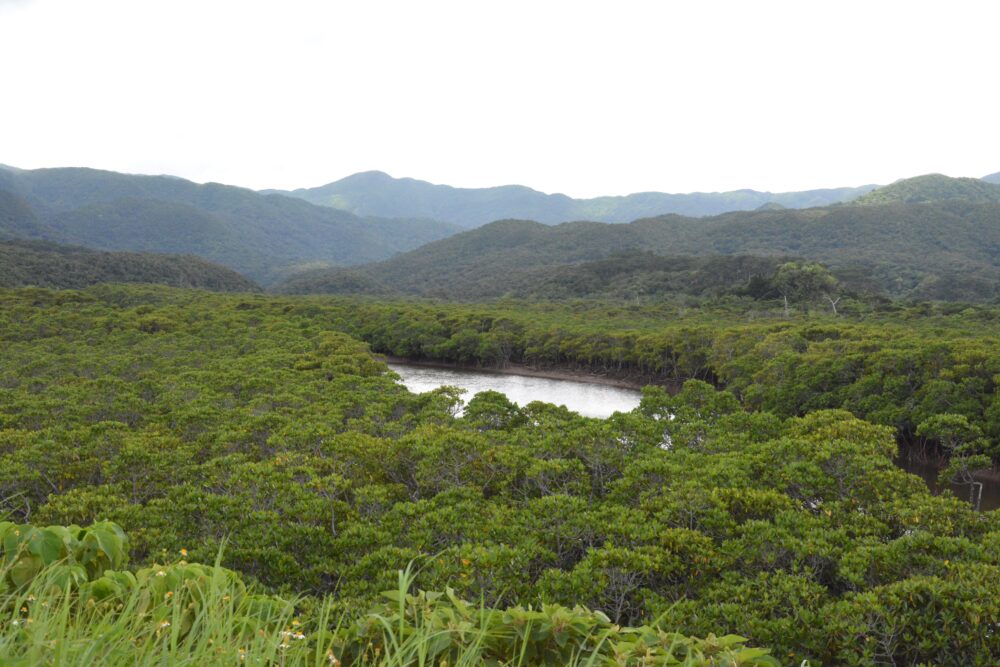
(66, 599)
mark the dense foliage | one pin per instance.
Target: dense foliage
(944, 250)
(263, 237)
(252, 425)
(930, 237)
(44, 264)
(625, 275)
(376, 193)
(897, 366)
(935, 187)
(75, 604)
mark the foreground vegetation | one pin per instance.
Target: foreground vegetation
(65, 600)
(254, 427)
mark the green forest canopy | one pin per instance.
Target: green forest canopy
(191, 419)
(45, 264)
(948, 250)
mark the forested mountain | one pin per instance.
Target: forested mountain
(46, 264)
(261, 236)
(926, 237)
(625, 275)
(947, 250)
(16, 217)
(992, 178)
(376, 193)
(934, 188)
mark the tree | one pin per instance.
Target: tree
(805, 281)
(963, 442)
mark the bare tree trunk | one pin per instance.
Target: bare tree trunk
(976, 494)
(785, 297)
(833, 304)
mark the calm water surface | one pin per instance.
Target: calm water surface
(590, 400)
(595, 400)
(929, 472)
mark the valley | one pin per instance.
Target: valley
(685, 434)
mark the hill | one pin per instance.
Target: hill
(46, 264)
(933, 188)
(378, 194)
(261, 236)
(947, 250)
(16, 217)
(992, 178)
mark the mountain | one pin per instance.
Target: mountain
(46, 264)
(17, 218)
(933, 188)
(624, 275)
(261, 236)
(942, 250)
(992, 178)
(377, 194)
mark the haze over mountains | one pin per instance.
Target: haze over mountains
(926, 237)
(262, 236)
(374, 193)
(930, 237)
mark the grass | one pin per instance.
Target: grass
(212, 620)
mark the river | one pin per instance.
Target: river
(588, 399)
(597, 400)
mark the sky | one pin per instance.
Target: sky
(583, 98)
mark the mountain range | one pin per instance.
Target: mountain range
(926, 237)
(262, 236)
(374, 193)
(931, 237)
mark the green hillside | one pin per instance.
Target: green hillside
(933, 188)
(45, 264)
(376, 193)
(261, 236)
(948, 250)
(626, 275)
(992, 178)
(16, 217)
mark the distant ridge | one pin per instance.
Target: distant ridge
(375, 193)
(992, 178)
(46, 264)
(262, 236)
(948, 250)
(934, 188)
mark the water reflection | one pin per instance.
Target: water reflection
(928, 471)
(595, 400)
(590, 400)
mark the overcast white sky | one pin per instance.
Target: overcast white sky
(575, 97)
